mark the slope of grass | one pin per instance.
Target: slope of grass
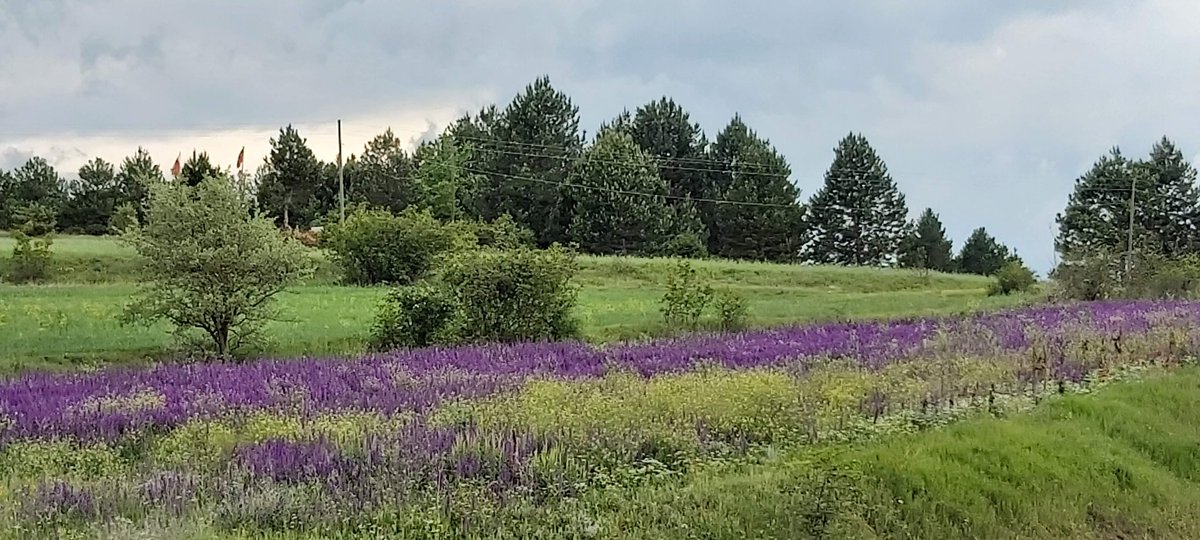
(74, 321)
(1121, 463)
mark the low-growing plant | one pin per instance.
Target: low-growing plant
(1013, 277)
(414, 316)
(688, 245)
(34, 219)
(686, 296)
(31, 259)
(500, 233)
(732, 310)
(125, 216)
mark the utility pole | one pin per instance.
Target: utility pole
(1132, 208)
(341, 181)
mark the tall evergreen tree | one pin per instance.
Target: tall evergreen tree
(138, 172)
(528, 151)
(981, 254)
(665, 131)
(763, 219)
(93, 198)
(197, 168)
(441, 177)
(1172, 202)
(926, 246)
(291, 179)
(33, 183)
(1097, 212)
(623, 208)
(384, 175)
(859, 216)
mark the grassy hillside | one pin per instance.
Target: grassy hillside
(75, 320)
(1120, 463)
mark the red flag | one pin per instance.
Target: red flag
(241, 157)
(176, 168)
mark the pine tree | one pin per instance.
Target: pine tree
(197, 168)
(763, 218)
(859, 216)
(34, 183)
(926, 245)
(528, 151)
(1172, 201)
(441, 177)
(623, 208)
(137, 174)
(291, 179)
(665, 131)
(93, 198)
(981, 254)
(384, 178)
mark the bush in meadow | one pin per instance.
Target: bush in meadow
(211, 265)
(513, 295)
(374, 246)
(500, 233)
(732, 310)
(686, 297)
(414, 316)
(31, 259)
(34, 219)
(688, 245)
(124, 217)
(1013, 277)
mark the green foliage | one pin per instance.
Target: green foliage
(34, 219)
(31, 259)
(733, 310)
(500, 233)
(1156, 276)
(664, 131)
(768, 223)
(38, 460)
(374, 246)
(515, 295)
(125, 216)
(35, 184)
(686, 297)
(93, 199)
(1166, 215)
(384, 175)
(443, 179)
(859, 216)
(685, 245)
(290, 181)
(535, 137)
(196, 168)
(981, 254)
(609, 218)
(1013, 277)
(210, 265)
(414, 316)
(926, 246)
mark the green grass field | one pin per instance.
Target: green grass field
(74, 321)
(1119, 463)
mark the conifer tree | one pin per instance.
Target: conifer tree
(291, 179)
(981, 254)
(622, 207)
(859, 216)
(926, 245)
(197, 168)
(665, 131)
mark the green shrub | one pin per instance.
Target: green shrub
(374, 246)
(518, 295)
(413, 316)
(1013, 277)
(123, 218)
(1088, 276)
(1161, 277)
(31, 259)
(732, 310)
(687, 245)
(686, 296)
(501, 233)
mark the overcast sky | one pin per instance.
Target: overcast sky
(985, 111)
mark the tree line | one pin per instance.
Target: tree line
(649, 182)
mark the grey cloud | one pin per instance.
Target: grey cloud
(984, 111)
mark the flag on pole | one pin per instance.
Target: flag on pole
(175, 169)
(241, 158)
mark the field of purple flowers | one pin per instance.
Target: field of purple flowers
(472, 441)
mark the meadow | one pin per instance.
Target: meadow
(74, 322)
(1042, 422)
